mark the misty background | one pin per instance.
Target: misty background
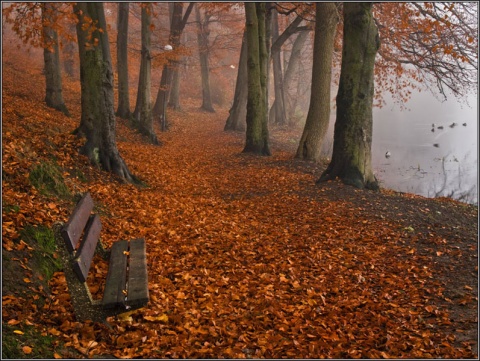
(438, 163)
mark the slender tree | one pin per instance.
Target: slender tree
(351, 159)
(51, 56)
(257, 122)
(291, 69)
(318, 116)
(238, 112)
(123, 109)
(203, 50)
(97, 122)
(277, 112)
(174, 98)
(177, 24)
(142, 116)
(69, 51)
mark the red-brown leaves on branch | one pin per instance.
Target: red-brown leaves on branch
(431, 43)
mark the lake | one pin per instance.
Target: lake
(442, 162)
(433, 147)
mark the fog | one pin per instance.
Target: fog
(438, 162)
(443, 162)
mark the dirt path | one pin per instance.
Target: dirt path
(286, 252)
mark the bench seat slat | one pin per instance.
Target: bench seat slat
(72, 231)
(137, 274)
(84, 255)
(113, 295)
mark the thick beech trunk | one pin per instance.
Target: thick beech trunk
(202, 38)
(142, 116)
(123, 109)
(51, 57)
(351, 159)
(97, 122)
(318, 117)
(257, 122)
(238, 111)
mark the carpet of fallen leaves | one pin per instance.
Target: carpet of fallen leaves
(247, 257)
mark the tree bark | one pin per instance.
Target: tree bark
(174, 98)
(277, 112)
(257, 122)
(291, 69)
(318, 117)
(238, 111)
(69, 53)
(97, 122)
(142, 116)
(51, 57)
(202, 38)
(123, 109)
(177, 24)
(351, 159)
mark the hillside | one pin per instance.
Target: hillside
(247, 257)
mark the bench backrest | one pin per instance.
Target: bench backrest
(82, 222)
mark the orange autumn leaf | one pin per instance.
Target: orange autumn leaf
(247, 257)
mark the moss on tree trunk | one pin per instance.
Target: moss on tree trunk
(351, 159)
(98, 122)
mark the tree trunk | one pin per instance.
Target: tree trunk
(69, 53)
(142, 116)
(351, 159)
(123, 110)
(177, 24)
(97, 122)
(292, 68)
(174, 96)
(318, 117)
(174, 99)
(174, 91)
(160, 108)
(202, 38)
(238, 111)
(277, 112)
(257, 124)
(51, 57)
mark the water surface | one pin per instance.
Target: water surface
(426, 159)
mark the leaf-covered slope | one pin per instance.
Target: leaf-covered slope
(246, 256)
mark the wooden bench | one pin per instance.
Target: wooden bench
(126, 286)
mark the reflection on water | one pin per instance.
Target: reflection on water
(432, 148)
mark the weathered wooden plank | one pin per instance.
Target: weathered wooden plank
(137, 274)
(115, 286)
(84, 255)
(73, 229)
